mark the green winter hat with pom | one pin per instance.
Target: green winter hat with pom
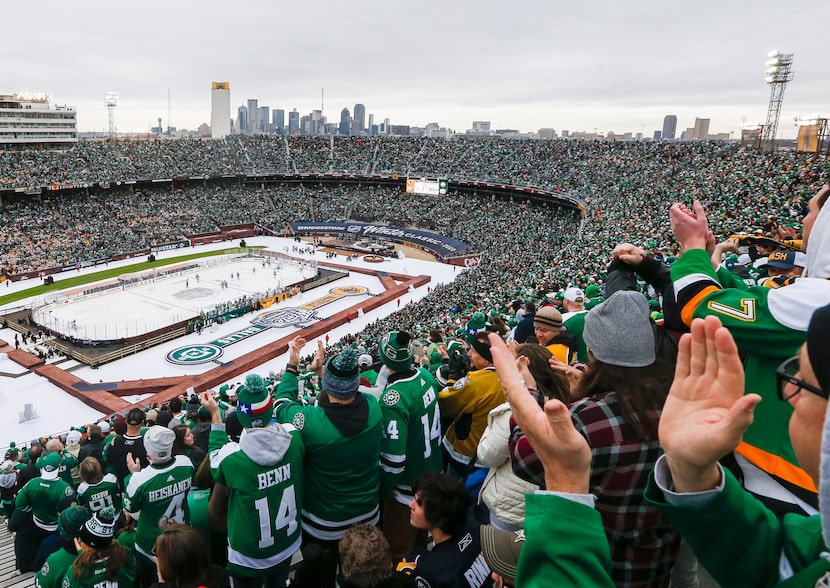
(254, 404)
(341, 376)
(396, 350)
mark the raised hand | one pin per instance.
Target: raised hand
(690, 227)
(294, 348)
(317, 363)
(523, 365)
(573, 374)
(564, 453)
(706, 412)
(133, 464)
(209, 402)
(630, 254)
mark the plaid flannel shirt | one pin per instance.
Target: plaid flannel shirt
(643, 545)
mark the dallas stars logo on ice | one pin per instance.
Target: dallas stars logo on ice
(193, 354)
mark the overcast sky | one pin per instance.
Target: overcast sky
(522, 64)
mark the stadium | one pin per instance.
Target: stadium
(140, 270)
(573, 198)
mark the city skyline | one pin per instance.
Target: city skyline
(607, 66)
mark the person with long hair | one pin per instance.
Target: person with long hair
(503, 492)
(182, 559)
(98, 490)
(100, 559)
(617, 408)
(185, 445)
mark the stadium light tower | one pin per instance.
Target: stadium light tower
(779, 73)
(111, 99)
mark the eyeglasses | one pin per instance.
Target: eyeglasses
(785, 374)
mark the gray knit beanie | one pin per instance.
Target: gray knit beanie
(158, 442)
(341, 377)
(618, 331)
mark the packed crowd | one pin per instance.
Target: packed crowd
(429, 423)
(614, 179)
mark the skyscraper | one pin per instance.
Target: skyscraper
(370, 124)
(220, 110)
(669, 126)
(359, 124)
(345, 122)
(701, 129)
(316, 123)
(279, 121)
(264, 117)
(253, 115)
(293, 121)
(242, 119)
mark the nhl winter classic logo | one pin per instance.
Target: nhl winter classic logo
(194, 354)
(285, 317)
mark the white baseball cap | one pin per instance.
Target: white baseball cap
(575, 295)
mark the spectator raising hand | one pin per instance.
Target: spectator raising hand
(564, 453)
(706, 412)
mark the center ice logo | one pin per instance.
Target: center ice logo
(194, 293)
(193, 354)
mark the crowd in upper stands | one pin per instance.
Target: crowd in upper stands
(433, 415)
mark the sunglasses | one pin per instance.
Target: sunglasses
(785, 374)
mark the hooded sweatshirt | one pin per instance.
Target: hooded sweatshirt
(264, 477)
(8, 488)
(342, 476)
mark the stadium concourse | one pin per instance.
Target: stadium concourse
(56, 410)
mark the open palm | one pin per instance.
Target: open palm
(706, 412)
(563, 451)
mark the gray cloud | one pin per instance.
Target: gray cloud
(522, 64)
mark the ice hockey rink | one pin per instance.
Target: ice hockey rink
(135, 309)
(170, 297)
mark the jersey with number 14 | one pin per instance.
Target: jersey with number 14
(159, 490)
(411, 442)
(264, 477)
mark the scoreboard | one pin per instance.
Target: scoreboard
(429, 187)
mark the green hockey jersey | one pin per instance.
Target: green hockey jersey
(159, 490)
(264, 476)
(342, 445)
(101, 495)
(412, 431)
(45, 499)
(126, 576)
(769, 326)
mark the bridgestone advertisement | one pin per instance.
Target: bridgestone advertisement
(431, 241)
